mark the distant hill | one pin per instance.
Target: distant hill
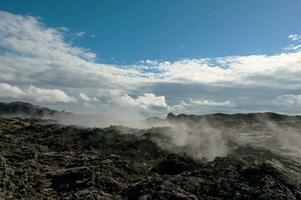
(233, 120)
(24, 109)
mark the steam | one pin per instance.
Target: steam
(117, 116)
(117, 108)
(284, 139)
(202, 137)
(199, 141)
(281, 137)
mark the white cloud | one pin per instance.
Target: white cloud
(36, 54)
(294, 37)
(39, 55)
(95, 99)
(7, 90)
(146, 101)
(288, 100)
(28, 36)
(206, 102)
(48, 95)
(195, 103)
(253, 70)
(84, 97)
(80, 34)
(179, 107)
(293, 47)
(43, 55)
(35, 94)
(296, 46)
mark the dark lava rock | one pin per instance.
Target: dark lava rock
(40, 159)
(70, 179)
(176, 164)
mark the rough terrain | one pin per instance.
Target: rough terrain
(41, 159)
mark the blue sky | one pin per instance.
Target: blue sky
(147, 58)
(129, 31)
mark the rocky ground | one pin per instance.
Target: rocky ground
(40, 159)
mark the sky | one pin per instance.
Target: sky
(152, 57)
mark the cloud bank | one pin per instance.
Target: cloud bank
(35, 94)
(40, 64)
(288, 100)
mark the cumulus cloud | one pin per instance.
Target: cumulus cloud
(7, 90)
(35, 54)
(95, 99)
(48, 95)
(28, 36)
(148, 100)
(246, 70)
(206, 102)
(84, 97)
(293, 47)
(35, 94)
(193, 103)
(294, 37)
(296, 46)
(288, 100)
(80, 34)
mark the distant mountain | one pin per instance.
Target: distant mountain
(242, 116)
(24, 109)
(233, 120)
